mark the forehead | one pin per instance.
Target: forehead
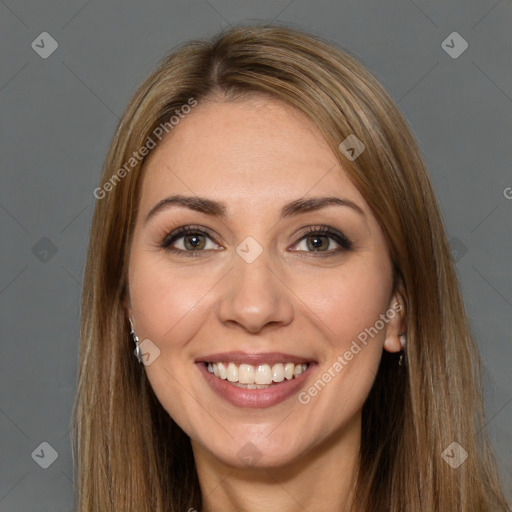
(257, 151)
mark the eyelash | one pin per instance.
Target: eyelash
(169, 238)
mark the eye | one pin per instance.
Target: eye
(320, 239)
(189, 241)
(194, 240)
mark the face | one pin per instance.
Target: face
(289, 291)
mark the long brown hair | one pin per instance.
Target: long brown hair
(129, 454)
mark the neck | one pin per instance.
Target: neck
(320, 480)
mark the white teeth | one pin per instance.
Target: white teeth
(263, 374)
(278, 372)
(232, 372)
(250, 377)
(222, 371)
(297, 370)
(246, 374)
(288, 370)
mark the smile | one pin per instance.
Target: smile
(259, 376)
(255, 380)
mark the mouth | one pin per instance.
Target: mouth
(255, 380)
(259, 376)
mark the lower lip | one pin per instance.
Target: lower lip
(254, 398)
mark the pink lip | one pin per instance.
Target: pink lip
(254, 398)
(252, 358)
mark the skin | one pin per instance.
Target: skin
(256, 155)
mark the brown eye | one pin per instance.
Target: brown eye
(193, 242)
(317, 242)
(189, 241)
(324, 240)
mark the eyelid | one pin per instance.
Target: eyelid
(167, 238)
(177, 233)
(323, 230)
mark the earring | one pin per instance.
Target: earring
(402, 338)
(137, 351)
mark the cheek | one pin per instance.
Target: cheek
(350, 306)
(169, 306)
(165, 298)
(348, 301)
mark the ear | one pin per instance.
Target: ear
(396, 324)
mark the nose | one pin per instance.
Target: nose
(253, 296)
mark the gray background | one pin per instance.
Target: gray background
(59, 114)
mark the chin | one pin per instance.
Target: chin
(246, 454)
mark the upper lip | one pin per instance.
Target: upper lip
(253, 358)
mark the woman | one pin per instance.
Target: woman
(267, 239)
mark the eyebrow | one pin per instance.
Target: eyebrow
(219, 209)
